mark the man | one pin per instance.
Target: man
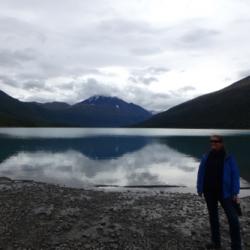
(218, 180)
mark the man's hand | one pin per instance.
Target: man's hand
(236, 198)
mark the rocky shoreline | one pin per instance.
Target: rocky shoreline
(37, 215)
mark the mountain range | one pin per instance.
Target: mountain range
(97, 111)
(225, 108)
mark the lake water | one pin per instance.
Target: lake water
(80, 157)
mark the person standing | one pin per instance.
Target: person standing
(218, 181)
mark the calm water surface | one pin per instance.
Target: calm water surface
(80, 156)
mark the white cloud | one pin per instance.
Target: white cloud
(51, 49)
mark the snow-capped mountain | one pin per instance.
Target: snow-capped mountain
(112, 101)
(96, 111)
(113, 111)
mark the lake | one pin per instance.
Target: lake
(80, 157)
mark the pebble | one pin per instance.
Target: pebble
(44, 216)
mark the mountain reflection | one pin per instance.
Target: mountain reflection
(153, 164)
(113, 160)
(92, 147)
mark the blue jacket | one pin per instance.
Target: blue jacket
(231, 177)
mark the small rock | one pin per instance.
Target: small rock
(43, 210)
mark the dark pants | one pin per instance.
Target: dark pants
(234, 226)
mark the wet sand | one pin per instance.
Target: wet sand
(37, 215)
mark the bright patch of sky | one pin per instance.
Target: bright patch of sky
(154, 53)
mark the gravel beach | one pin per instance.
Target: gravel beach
(37, 215)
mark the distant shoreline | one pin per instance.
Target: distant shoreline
(128, 127)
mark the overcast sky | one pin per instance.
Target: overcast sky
(156, 53)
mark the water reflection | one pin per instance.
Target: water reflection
(113, 160)
(195, 146)
(153, 164)
(93, 147)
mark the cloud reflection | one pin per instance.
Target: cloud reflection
(153, 164)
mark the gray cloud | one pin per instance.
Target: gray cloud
(154, 71)
(78, 90)
(147, 75)
(146, 51)
(16, 28)
(144, 80)
(35, 85)
(48, 53)
(199, 37)
(23, 83)
(126, 27)
(244, 73)
(157, 70)
(8, 81)
(15, 58)
(186, 89)
(152, 101)
(136, 94)
(181, 92)
(91, 87)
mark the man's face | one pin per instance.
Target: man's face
(216, 143)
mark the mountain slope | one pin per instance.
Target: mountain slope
(226, 108)
(102, 111)
(105, 112)
(16, 113)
